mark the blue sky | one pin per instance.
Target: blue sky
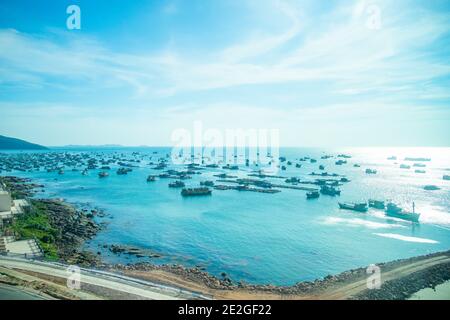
(325, 73)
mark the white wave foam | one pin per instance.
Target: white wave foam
(405, 238)
(356, 222)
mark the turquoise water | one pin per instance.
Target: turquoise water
(268, 238)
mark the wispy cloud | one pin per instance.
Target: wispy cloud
(353, 56)
(324, 57)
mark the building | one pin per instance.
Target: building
(28, 248)
(5, 200)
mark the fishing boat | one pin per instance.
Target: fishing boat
(122, 171)
(330, 191)
(103, 174)
(393, 210)
(176, 184)
(360, 207)
(189, 192)
(377, 204)
(312, 195)
(431, 187)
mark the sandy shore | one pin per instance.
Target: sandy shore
(400, 280)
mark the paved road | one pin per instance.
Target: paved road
(110, 281)
(13, 293)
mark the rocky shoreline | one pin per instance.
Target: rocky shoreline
(65, 227)
(75, 226)
(398, 289)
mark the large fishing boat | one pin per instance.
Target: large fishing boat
(330, 191)
(187, 192)
(377, 204)
(360, 207)
(393, 210)
(312, 195)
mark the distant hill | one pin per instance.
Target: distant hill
(7, 143)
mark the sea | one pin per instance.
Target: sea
(261, 238)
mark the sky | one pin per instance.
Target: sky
(324, 73)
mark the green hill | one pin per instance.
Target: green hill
(7, 143)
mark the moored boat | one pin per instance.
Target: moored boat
(377, 204)
(103, 174)
(203, 191)
(176, 184)
(393, 210)
(330, 191)
(312, 195)
(360, 207)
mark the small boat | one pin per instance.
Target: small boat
(122, 171)
(176, 184)
(151, 178)
(392, 158)
(356, 165)
(419, 171)
(330, 191)
(417, 159)
(371, 171)
(446, 177)
(431, 187)
(393, 210)
(321, 167)
(360, 207)
(207, 183)
(103, 174)
(189, 192)
(377, 204)
(242, 187)
(312, 195)
(405, 166)
(340, 162)
(60, 171)
(84, 172)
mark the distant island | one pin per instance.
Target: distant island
(8, 143)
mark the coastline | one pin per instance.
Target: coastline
(77, 225)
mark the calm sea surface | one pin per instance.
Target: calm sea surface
(267, 238)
